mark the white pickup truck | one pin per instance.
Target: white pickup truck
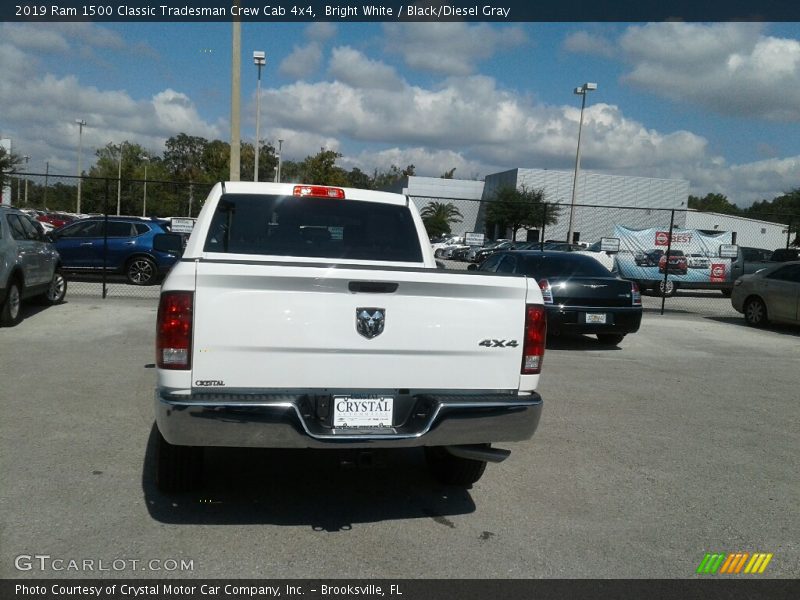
(305, 316)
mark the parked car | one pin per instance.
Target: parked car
(697, 260)
(580, 295)
(447, 251)
(771, 294)
(677, 263)
(461, 252)
(785, 255)
(56, 219)
(134, 248)
(441, 244)
(562, 246)
(648, 258)
(604, 258)
(29, 266)
(493, 247)
(526, 246)
(472, 253)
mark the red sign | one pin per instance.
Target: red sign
(662, 238)
(718, 274)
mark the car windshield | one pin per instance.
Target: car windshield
(313, 227)
(550, 266)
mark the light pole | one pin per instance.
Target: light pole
(146, 160)
(580, 91)
(259, 59)
(46, 177)
(26, 158)
(81, 124)
(278, 172)
(236, 85)
(119, 177)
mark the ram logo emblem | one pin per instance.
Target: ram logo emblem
(370, 321)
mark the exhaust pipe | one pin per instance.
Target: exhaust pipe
(479, 452)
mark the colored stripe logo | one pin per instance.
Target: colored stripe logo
(734, 563)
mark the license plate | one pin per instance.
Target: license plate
(362, 411)
(596, 318)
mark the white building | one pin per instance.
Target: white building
(749, 232)
(464, 194)
(637, 203)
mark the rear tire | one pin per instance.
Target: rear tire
(453, 470)
(755, 312)
(57, 290)
(610, 339)
(11, 311)
(666, 290)
(141, 270)
(178, 468)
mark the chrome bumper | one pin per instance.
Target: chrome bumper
(288, 421)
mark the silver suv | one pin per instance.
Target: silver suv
(29, 266)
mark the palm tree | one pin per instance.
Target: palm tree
(438, 216)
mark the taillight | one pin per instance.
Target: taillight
(174, 330)
(636, 294)
(535, 338)
(319, 191)
(547, 291)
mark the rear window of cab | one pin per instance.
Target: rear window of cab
(313, 227)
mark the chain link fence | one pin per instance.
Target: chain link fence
(109, 256)
(684, 261)
(673, 254)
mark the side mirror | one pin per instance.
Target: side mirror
(168, 242)
(472, 267)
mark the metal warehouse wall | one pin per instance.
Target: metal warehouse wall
(424, 190)
(749, 232)
(620, 191)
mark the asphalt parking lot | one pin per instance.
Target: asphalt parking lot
(680, 442)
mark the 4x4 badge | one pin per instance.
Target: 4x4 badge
(370, 321)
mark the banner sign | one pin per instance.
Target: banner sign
(695, 256)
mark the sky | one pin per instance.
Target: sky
(717, 104)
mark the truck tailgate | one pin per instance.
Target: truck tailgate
(269, 326)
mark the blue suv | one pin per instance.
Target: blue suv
(132, 246)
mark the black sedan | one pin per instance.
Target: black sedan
(487, 251)
(581, 296)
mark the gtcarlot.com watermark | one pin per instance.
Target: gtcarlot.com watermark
(46, 562)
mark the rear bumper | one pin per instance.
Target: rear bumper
(288, 421)
(573, 319)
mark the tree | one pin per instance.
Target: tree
(781, 209)
(717, 203)
(438, 216)
(321, 169)
(518, 208)
(382, 180)
(448, 174)
(358, 179)
(183, 158)
(8, 164)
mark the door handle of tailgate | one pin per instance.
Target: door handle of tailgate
(372, 287)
